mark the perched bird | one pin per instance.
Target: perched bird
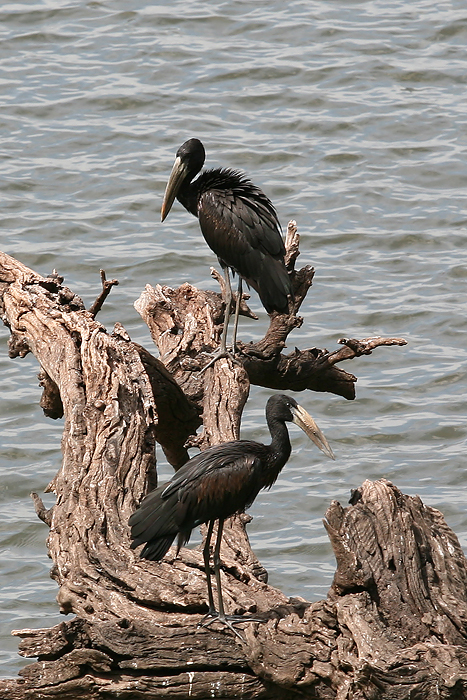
(223, 480)
(239, 224)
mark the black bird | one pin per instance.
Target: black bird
(239, 224)
(223, 480)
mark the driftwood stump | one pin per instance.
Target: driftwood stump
(394, 622)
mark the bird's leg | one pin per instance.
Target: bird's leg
(228, 303)
(227, 620)
(216, 616)
(206, 555)
(237, 313)
(212, 612)
(217, 571)
(223, 352)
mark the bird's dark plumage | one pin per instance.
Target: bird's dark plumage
(238, 222)
(213, 485)
(223, 480)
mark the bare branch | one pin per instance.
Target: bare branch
(357, 348)
(106, 287)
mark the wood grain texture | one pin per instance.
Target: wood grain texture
(394, 623)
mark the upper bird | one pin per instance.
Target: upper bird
(238, 222)
(223, 480)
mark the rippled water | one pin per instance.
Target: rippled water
(351, 116)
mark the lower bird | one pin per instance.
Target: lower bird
(215, 484)
(239, 223)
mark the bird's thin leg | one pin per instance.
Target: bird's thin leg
(227, 620)
(217, 571)
(228, 303)
(237, 312)
(212, 613)
(206, 555)
(218, 616)
(223, 352)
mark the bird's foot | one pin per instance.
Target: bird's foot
(218, 356)
(228, 621)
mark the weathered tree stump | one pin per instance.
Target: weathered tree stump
(394, 623)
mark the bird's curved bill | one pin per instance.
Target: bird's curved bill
(303, 419)
(178, 174)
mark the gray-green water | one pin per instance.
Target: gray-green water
(352, 117)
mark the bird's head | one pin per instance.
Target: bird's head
(286, 408)
(189, 160)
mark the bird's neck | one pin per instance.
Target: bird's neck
(188, 196)
(280, 447)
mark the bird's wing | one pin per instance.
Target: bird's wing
(243, 222)
(247, 243)
(217, 483)
(227, 197)
(240, 225)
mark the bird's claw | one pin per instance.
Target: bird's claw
(228, 621)
(218, 356)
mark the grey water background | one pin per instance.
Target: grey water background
(352, 117)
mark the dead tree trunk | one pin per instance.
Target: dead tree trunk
(393, 625)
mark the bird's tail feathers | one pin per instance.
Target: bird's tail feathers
(155, 549)
(274, 286)
(154, 523)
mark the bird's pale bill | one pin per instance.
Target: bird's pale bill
(303, 419)
(178, 174)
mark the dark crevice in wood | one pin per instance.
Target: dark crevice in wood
(51, 402)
